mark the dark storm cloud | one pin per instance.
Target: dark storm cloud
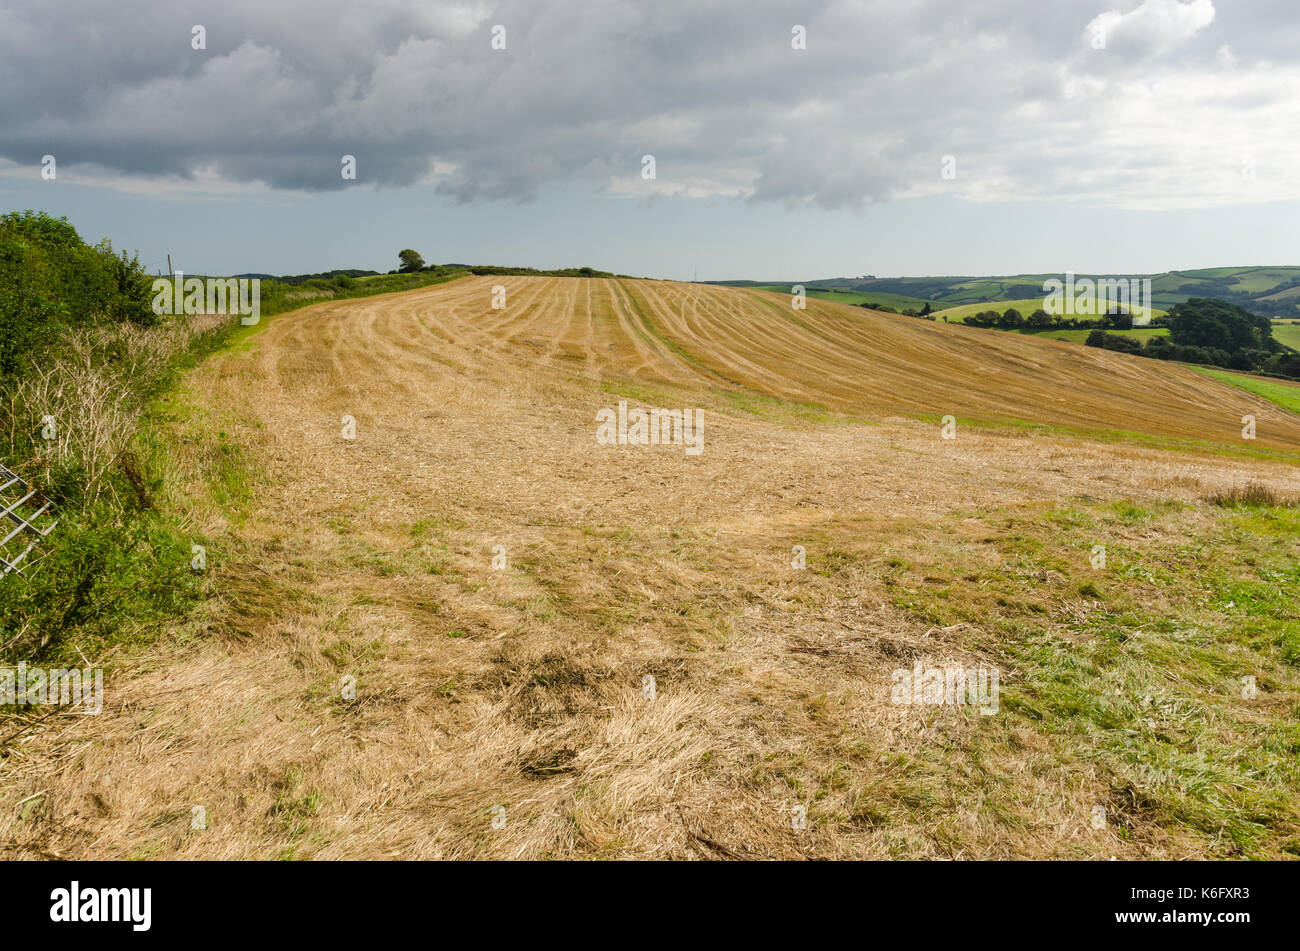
(1013, 89)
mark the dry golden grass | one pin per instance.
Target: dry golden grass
(94, 401)
(522, 687)
(848, 359)
(1252, 493)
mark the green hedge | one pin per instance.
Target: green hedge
(51, 280)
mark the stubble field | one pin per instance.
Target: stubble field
(503, 712)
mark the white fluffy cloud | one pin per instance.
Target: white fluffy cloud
(1152, 27)
(1180, 101)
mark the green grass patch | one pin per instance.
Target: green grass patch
(899, 302)
(1287, 334)
(1169, 678)
(1284, 394)
(1140, 334)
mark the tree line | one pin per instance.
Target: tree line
(1214, 333)
(412, 262)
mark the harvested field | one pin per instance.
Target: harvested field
(523, 686)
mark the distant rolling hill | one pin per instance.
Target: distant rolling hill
(1271, 291)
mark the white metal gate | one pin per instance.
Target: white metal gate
(26, 517)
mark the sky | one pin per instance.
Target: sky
(686, 140)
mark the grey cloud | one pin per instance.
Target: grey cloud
(584, 88)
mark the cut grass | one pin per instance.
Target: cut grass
(523, 686)
(862, 362)
(1137, 672)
